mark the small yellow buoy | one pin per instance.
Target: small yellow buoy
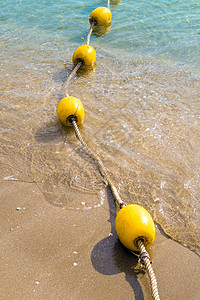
(70, 107)
(133, 222)
(101, 16)
(85, 54)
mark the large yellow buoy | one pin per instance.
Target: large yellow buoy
(100, 16)
(85, 54)
(133, 222)
(70, 107)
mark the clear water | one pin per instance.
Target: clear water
(141, 102)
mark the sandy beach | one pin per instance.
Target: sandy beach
(58, 238)
(50, 252)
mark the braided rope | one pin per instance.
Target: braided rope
(73, 73)
(102, 169)
(90, 32)
(145, 258)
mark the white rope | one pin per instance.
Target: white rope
(103, 170)
(145, 258)
(90, 32)
(73, 73)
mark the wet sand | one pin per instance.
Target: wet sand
(50, 252)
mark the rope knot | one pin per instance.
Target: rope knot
(141, 257)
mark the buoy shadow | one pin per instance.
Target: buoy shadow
(115, 2)
(63, 74)
(110, 257)
(53, 131)
(101, 30)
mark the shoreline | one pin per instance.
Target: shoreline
(51, 252)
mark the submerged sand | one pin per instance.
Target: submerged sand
(54, 252)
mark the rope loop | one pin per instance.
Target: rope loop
(141, 257)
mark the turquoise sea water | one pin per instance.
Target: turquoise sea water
(141, 102)
(165, 30)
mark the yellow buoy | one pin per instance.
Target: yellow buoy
(70, 107)
(85, 54)
(100, 16)
(133, 222)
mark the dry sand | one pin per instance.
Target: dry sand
(50, 252)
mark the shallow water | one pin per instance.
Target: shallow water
(141, 103)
